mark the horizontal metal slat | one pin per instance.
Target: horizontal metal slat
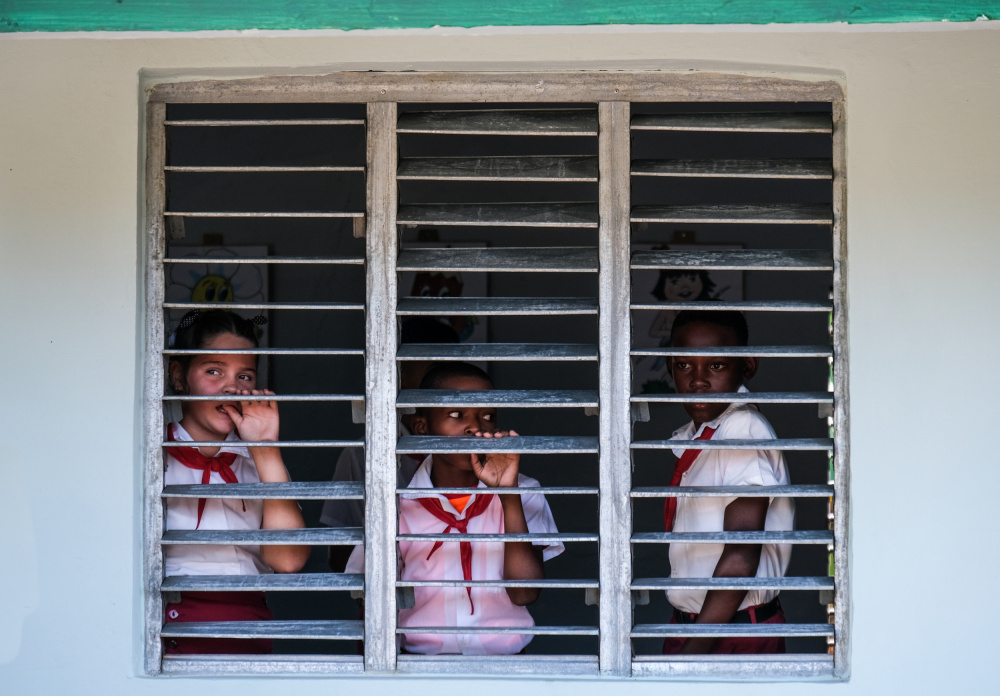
(737, 398)
(496, 306)
(737, 123)
(265, 397)
(495, 398)
(545, 490)
(322, 630)
(500, 214)
(536, 444)
(785, 583)
(267, 351)
(262, 169)
(512, 259)
(528, 168)
(736, 259)
(538, 538)
(261, 443)
(284, 582)
(500, 122)
(262, 214)
(746, 351)
(796, 667)
(266, 665)
(775, 214)
(735, 630)
(275, 260)
(723, 306)
(232, 306)
(550, 583)
(269, 122)
(505, 666)
(792, 444)
(505, 630)
(736, 168)
(288, 490)
(329, 536)
(810, 491)
(472, 352)
(796, 537)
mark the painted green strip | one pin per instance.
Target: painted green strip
(197, 15)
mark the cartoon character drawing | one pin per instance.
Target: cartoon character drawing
(679, 285)
(447, 284)
(216, 282)
(212, 288)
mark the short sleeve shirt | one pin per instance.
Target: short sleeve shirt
(706, 514)
(219, 513)
(450, 606)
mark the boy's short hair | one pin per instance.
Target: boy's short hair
(442, 372)
(727, 319)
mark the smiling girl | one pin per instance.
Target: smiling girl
(228, 373)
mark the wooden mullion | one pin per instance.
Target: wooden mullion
(615, 520)
(841, 395)
(153, 379)
(380, 393)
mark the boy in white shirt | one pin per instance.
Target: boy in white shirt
(709, 374)
(477, 512)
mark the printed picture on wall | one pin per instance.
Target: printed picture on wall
(470, 329)
(651, 329)
(229, 283)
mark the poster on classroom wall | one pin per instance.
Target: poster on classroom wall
(222, 283)
(470, 329)
(651, 328)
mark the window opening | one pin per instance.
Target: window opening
(718, 199)
(537, 230)
(524, 179)
(262, 202)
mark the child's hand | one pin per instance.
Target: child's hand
(255, 421)
(497, 470)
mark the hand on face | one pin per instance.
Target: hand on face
(496, 469)
(255, 421)
(229, 374)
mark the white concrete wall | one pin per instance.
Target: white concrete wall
(923, 148)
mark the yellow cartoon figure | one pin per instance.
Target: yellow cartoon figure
(212, 288)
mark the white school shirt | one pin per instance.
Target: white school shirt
(449, 606)
(351, 467)
(729, 468)
(220, 513)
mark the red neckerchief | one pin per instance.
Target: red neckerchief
(683, 464)
(192, 458)
(473, 509)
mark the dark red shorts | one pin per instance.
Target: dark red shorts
(218, 606)
(737, 646)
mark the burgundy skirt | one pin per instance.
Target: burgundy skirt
(218, 606)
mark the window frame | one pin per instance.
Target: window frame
(613, 92)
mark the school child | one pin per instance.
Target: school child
(713, 467)
(232, 421)
(478, 512)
